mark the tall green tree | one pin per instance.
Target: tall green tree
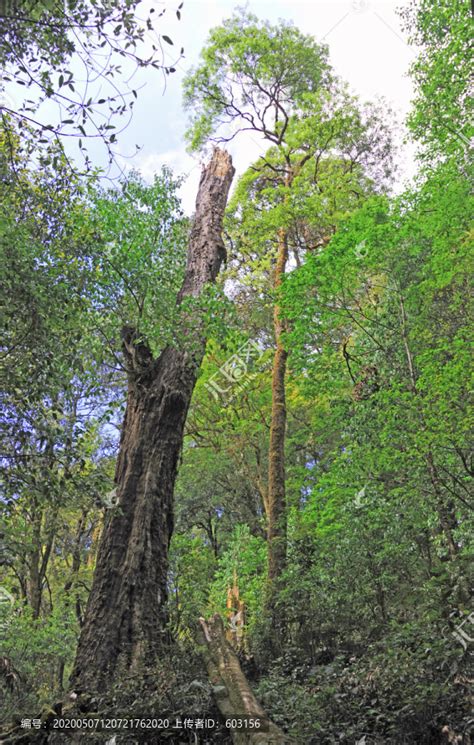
(277, 82)
(442, 115)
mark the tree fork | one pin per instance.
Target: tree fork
(125, 619)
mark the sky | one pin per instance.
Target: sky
(367, 49)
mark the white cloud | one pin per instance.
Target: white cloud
(367, 49)
(244, 150)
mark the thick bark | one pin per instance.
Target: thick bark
(233, 695)
(125, 621)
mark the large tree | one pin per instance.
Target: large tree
(277, 82)
(126, 615)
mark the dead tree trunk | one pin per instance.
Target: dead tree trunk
(233, 695)
(125, 620)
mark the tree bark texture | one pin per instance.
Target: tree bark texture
(276, 498)
(232, 692)
(125, 619)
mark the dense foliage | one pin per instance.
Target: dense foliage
(375, 594)
(80, 56)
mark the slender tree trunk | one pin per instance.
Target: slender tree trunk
(276, 458)
(34, 587)
(44, 526)
(276, 496)
(39, 555)
(70, 587)
(76, 552)
(125, 620)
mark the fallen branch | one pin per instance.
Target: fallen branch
(232, 692)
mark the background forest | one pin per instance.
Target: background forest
(323, 504)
